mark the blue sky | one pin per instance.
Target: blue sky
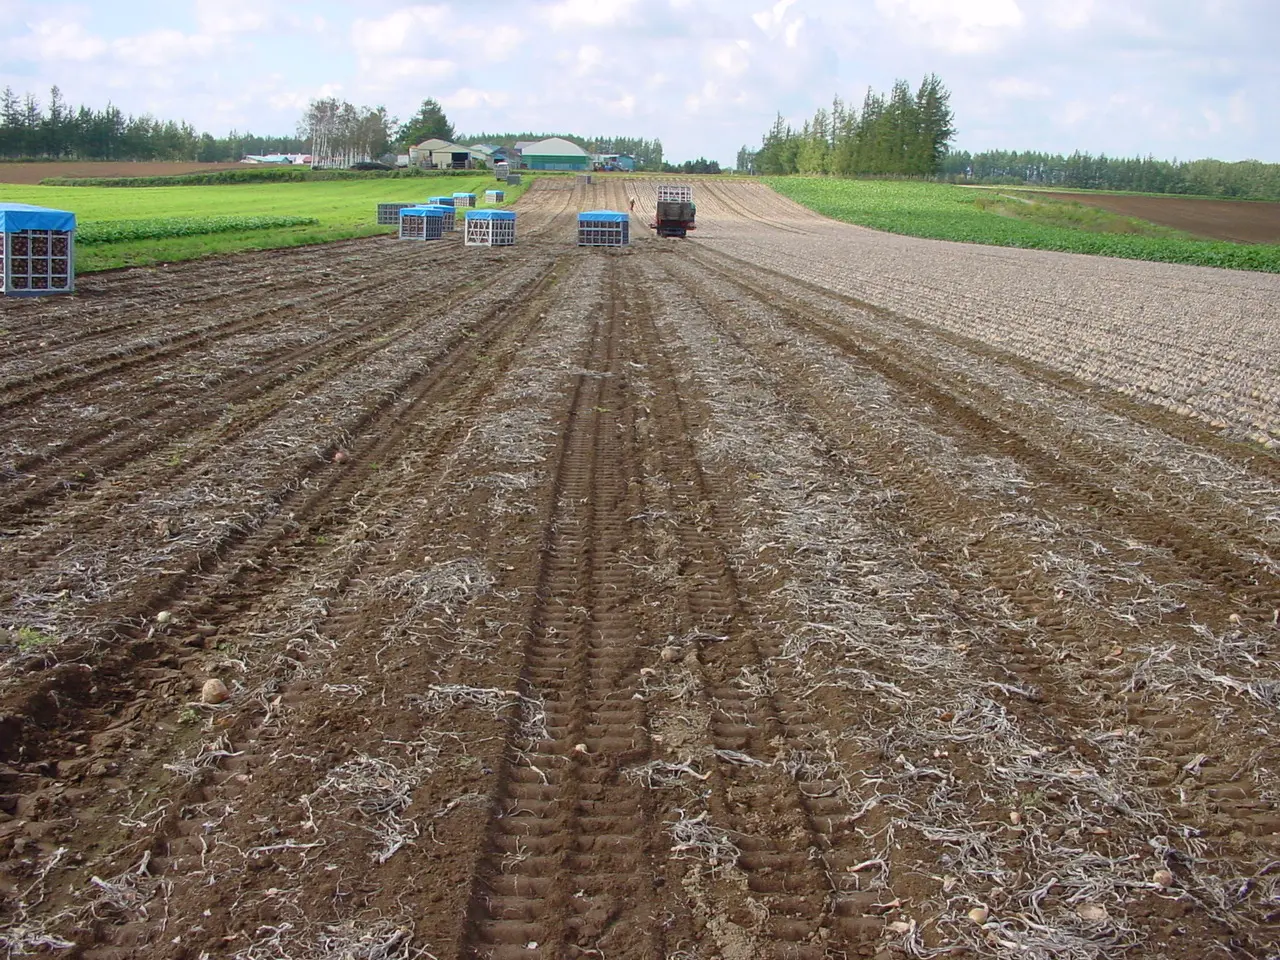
(1184, 78)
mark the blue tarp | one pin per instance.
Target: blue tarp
(422, 212)
(465, 195)
(441, 209)
(445, 201)
(491, 215)
(608, 216)
(23, 216)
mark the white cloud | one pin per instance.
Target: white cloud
(232, 16)
(1075, 112)
(589, 59)
(571, 14)
(470, 99)
(771, 20)
(1018, 88)
(162, 48)
(53, 40)
(417, 68)
(501, 42)
(1072, 15)
(405, 29)
(728, 59)
(973, 26)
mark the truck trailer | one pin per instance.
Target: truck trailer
(675, 214)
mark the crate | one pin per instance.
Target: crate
(513, 180)
(464, 199)
(604, 228)
(495, 196)
(501, 169)
(679, 192)
(490, 228)
(584, 178)
(421, 223)
(389, 213)
(37, 251)
(448, 216)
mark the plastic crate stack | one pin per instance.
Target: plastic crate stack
(37, 250)
(389, 213)
(604, 228)
(422, 223)
(490, 228)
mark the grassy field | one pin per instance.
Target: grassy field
(341, 209)
(945, 212)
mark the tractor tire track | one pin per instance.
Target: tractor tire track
(568, 866)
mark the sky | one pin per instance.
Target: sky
(1170, 78)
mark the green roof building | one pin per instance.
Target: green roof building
(556, 154)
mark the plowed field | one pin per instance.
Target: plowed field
(1239, 220)
(31, 173)
(791, 591)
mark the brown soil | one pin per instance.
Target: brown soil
(1243, 221)
(649, 603)
(33, 173)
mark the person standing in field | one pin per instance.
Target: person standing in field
(632, 201)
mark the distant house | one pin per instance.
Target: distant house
(555, 153)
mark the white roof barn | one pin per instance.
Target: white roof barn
(556, 153)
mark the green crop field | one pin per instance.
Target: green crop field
(315, 212)
(944, 212)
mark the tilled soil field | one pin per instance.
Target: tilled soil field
(792, 591)
(1245, 221)
(31, 173)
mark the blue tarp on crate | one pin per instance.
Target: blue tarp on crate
(464, 196)
(607, 216)
(441, 201)
(422, 212)
(491, 215)
(23, 216)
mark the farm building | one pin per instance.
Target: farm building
(490, 154)
(278, 159)
(441, 155)
(515, 156)
(556, 154)
(37, 250)
(614, 161)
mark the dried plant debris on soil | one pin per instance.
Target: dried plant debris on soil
(794, 591)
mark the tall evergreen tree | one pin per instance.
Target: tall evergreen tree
(429, 123)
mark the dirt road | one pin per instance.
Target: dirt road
(783, 592)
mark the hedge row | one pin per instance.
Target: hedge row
(159, 228)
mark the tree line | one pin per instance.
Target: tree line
(331, 129)
(896, 134)
(340, 133)
(59, 131)
(1247, 179)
